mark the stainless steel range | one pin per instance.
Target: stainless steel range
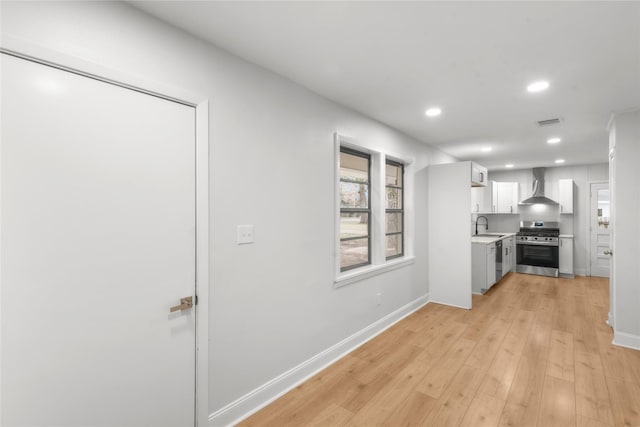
(537, 248)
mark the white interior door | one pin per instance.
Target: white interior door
(97, 243)
(599, 217)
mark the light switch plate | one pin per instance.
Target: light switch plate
(245, 234)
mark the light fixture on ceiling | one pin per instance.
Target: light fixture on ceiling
(554, 140)
(486, 149)
(433, 112)
(508, 165)
(538, 86)
(559, 161)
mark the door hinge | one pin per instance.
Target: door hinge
(196, 300)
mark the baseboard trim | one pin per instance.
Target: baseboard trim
(626, 340)
(255, 400)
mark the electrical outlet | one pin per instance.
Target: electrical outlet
(378, 298)
(245, 234)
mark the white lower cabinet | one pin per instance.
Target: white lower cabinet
(483, 270)
(508, 255)
(565, 255)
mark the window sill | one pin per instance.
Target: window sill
(370, 271)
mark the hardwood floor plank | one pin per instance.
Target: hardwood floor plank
(333, 416)
(441, 374)
(558, 405)
(412, 411)
(523, 400)
(484, 411)
(560, 362)
(498, 379)
(582, 421)
(625, 401)
(456, 398)
(592, 395)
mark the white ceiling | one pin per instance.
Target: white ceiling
(392, 60)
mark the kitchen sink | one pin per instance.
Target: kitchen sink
(488, 235)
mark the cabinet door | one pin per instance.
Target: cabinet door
(506, 197)
(491, 265)
(507, 265)
(482, 198)
(566, 255)
(565, 196)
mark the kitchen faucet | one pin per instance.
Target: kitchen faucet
(486, 226)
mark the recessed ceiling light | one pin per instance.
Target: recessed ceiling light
(508, 165)
(538, 86)
(553, 140)
(560, 161)
(486, 149)
(433, 112)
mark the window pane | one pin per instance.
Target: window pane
(354, 195)
(354, 252)
(394, 175)
(354, 224)
(394, 245)
(394, 198)
(394, 222)
(354, 168)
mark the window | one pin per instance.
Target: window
(394, 210)
(355, 209)
(373, 211)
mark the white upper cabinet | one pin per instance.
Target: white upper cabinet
(478, 175)
(506, 197)
(565, 196)
(496, 197)
(482, 198)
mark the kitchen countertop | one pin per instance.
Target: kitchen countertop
(490, 237)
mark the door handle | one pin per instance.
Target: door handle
(185, 303)
(608, 252)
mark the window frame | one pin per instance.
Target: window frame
(377, 219)
(367, 210)
(399, 210)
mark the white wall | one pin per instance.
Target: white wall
(626, 228)
(273, 304)
(576, 224)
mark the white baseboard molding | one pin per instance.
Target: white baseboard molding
(451, 305)
(260, 397)
(580, 271)
(626, 340)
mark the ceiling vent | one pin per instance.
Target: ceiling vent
(549, 122)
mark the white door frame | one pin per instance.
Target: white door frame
(49, 57)
(589, 220)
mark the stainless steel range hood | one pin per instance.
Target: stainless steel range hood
(537, 196)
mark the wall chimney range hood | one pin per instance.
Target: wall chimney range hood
(537, 196)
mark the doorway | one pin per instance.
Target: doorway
(98, 244)
(599, 227)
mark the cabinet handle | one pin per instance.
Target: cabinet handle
(560, 208)
(481, 176)
(511, 208)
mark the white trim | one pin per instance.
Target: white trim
(260, 397)
(44, 55)
(624, 339)
(203, 206)
(357, 275)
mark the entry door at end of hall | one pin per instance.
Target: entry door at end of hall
(97, 244)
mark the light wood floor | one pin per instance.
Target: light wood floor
(533, 351)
